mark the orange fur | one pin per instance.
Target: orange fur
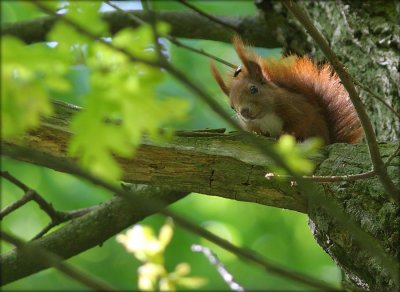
(306, 99)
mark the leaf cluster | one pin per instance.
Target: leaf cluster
(120, 104)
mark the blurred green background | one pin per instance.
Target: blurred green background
(280, 235)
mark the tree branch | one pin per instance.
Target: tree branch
(104, 222)
(171, 38)
(219, 266)
(29, 196)
(214, 164)
(210, 17)
(38, 255)
(183, 25)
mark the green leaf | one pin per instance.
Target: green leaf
(138, 41)
(121, 105)
(86, 14)
(29, 75)
(297, 155)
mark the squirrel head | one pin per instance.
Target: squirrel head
(250, 91)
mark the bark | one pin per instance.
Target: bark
(365, 35)
(362, 201)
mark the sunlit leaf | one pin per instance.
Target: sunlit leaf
(297, 155)
(29, 75)
(121, 106)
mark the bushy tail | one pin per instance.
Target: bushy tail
(322, 85)
(346, 127)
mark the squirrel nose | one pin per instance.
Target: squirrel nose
(245, 113)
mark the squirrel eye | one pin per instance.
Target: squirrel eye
(232, 107)
(253, 89)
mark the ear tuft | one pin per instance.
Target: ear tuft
(255, 71)
(219, 79)
(248, 59)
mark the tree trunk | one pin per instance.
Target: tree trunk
(365, 35)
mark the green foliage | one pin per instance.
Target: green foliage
(29, 75)
(297, 155)
(12, 11)
(120, 104)
(149, 249)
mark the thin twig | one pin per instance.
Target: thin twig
(132, 16)
(41, 256)
(153, 21)
(46, 229)
(327, 178)
(394, 154)
(346, 79)
(210, 17)
(376, 96)
(64, 217)
(201, 52)
(14, 206)
(57, 217)
(173, 39)
(29, 196)
(213, 259)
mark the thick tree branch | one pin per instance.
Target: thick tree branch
(213, 164)
(183, 24)
(107, 220)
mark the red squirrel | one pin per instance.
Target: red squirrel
(292, 95)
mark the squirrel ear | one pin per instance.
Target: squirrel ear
(253, 68)
(255, 71)
(219, 79)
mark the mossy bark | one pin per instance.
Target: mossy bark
(365, 36)
(364, 203)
